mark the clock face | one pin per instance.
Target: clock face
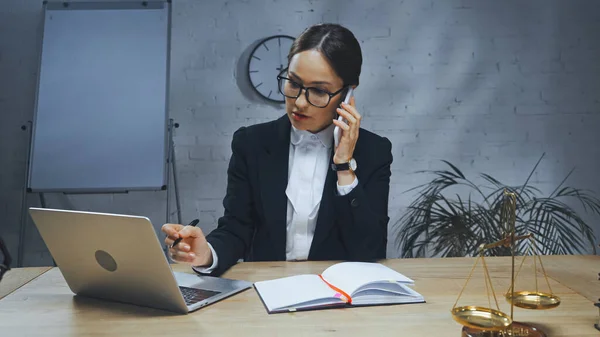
(267, 60)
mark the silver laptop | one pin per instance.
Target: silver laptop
(119, 258)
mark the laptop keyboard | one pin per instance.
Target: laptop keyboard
(194, 295)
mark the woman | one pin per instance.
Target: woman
(290, 194)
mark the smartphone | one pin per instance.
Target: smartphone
(337, 133)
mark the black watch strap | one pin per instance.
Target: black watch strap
(340, 167)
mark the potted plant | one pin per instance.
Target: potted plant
(435, 224)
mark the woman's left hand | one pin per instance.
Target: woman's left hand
(345, 149)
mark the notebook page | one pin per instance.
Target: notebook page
(349, 276)
(382, 295)
(390, 287)
(290, 291)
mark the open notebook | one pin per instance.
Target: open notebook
(341, 285)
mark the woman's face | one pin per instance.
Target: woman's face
(310, 69)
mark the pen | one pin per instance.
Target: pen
(193, 224)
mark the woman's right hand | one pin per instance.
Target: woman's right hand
(192, 249)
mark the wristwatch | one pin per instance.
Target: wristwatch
(350, 165)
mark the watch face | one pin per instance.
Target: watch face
(266, 61)
(352, 164)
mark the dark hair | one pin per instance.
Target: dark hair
(337, 44)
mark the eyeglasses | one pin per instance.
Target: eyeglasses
(315, 96)
(5, 265)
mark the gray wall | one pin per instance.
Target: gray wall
(487, 85)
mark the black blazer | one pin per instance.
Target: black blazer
(351, 227)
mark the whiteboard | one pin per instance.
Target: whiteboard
(101, 117)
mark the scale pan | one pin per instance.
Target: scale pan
(533, 300)
(481, 318)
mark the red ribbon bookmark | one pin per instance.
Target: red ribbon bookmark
(345, 297)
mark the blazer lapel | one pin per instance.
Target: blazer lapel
(325, 220)
(273, 176)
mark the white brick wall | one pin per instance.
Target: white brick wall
(487, 85)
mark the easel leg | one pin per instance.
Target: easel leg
(177, 202)
(23, 220)
(169, 154)
(42, 200)
(171, 163)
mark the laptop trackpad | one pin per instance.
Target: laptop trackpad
(198, 281)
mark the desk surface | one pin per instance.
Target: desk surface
(16, 278)
(52, 310)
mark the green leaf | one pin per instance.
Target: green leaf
(455, 169)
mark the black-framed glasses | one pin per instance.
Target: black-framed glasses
(315, 96)
(5, 265)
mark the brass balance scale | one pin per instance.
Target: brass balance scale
(480, 321)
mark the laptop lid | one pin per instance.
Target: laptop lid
(110, 256)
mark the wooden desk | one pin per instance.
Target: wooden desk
(46, 307)
(579, 273)
(16, 278)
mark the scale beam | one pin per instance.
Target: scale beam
(489, 322)
(504, 242)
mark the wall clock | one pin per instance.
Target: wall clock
(265, 62)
